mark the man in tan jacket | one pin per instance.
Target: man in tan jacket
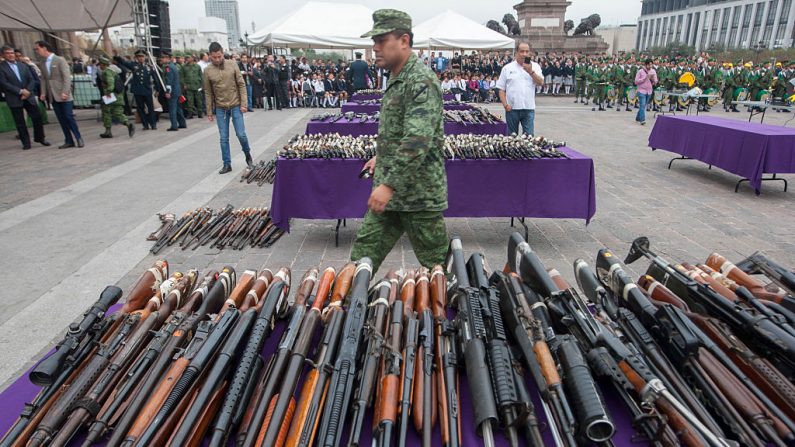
(226, 98)
(57, 87)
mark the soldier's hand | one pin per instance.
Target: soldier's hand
(379, 198)
(370, 166)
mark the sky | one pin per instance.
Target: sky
(184, 13)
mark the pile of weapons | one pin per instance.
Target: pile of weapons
(701, 355)
(347, 117)
(263, 172)
(225, 227)
(473, 116)
(369, 91)
(463, 146)
(511, 147)
(377, 102)
(332, 145)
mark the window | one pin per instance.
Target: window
(724, 25)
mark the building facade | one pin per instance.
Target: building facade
(707, 23)
(618, 38)
(211, 29)
(226, 10)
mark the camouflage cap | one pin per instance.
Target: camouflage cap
(104, 60)
(388, 20)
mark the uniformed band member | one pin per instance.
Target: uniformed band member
(409, 180)
(173, 92)
(106, 82)
(143, 78)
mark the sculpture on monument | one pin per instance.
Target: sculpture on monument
(496, 26)
(512, 24)
(568, 25)
(587, 25)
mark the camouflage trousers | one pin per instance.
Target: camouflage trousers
(426, 231)
(193, 103)
(113, 111)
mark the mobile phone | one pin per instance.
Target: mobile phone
(528, 60)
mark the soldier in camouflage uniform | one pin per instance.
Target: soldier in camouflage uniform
(191, 80)
(409, 182)
(114, 111)
(580, 74)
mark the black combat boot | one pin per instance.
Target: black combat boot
(131, 129)
(249, 161)
(107, 133)
(225, 169)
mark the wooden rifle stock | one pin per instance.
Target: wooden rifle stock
(157, 398)
(688, 435)
(146, 286)
(447, 393)
(254, 295)
(424, 391)
(732, 272)
(240, 292)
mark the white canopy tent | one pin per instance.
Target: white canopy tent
(450, 30)
(319, 25)
(63, 15)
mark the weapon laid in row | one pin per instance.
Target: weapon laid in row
(349, 117)
(512, 147)
(226, 227)
(462, 146)
(329, 146)
(182, 364)
(263, 172)
(473, 116)
(369, 91)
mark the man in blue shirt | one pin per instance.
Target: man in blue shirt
(441, 63)
(173, 92)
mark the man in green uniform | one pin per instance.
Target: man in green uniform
(115, 109)
(191, 79)
(600, 81)
(579, 80)
(409, 179)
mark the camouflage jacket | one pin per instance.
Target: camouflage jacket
(191, 76)
(411, 139)
(108, 78)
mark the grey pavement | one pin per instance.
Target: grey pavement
(74, 221)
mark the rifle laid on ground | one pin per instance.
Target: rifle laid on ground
(335, 410)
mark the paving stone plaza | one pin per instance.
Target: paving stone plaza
(73, 221)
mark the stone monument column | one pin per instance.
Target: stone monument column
(542, 25)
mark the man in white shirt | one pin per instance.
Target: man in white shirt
(517, 87)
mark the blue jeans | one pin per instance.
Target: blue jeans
(644, 99)
(249, 93)
(525, 117)
(66, 118)
(222, 117)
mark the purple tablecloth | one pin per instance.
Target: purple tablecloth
(746, 149)
(356, 107)
(358, 127)
(550, 188)
(13, 400)
(368, 96)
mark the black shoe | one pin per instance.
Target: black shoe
(249, 161)
(172, 129)
(145, 128)
(130, 129)
(44, 142)
(80, 142)
(225, 169)
(66, 146)
(199, 116)
(25, 147)
(593, 109)
(107, 134)
(182, 127)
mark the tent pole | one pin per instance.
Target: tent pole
(105, 26)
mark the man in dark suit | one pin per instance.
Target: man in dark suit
(18, 84)
(358, 73)
(57, 86)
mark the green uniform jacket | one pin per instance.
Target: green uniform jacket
(108, 81)
(191, 76)
(411, 140)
